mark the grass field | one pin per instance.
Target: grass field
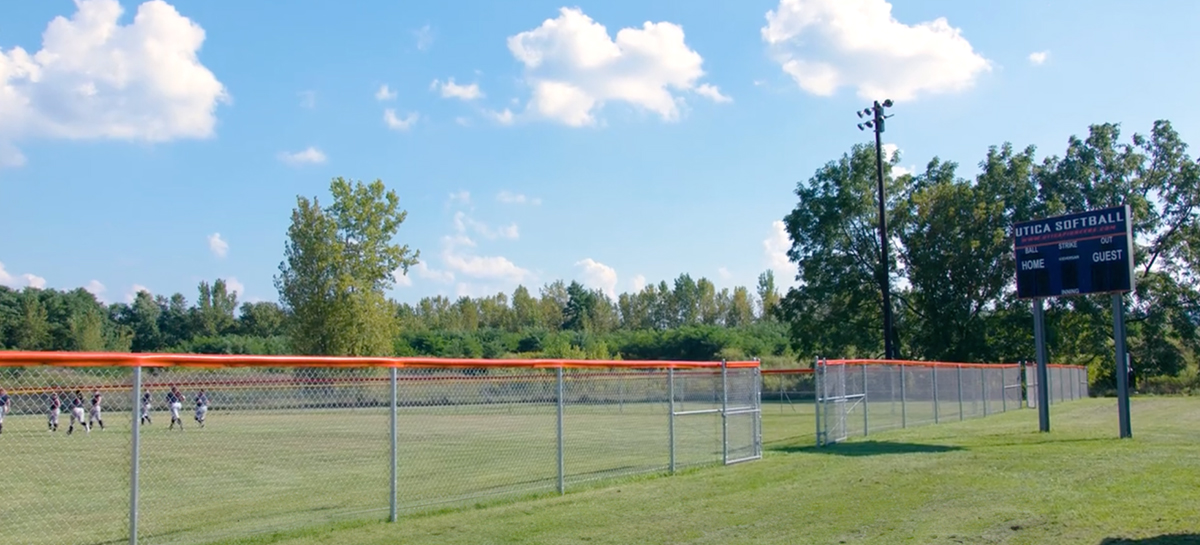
(993, 480)
(249, 471)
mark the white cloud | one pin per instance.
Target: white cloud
(462, 196)
(723, 273)
(775, 248)
(424, 271)
(449, 89)
(503, 117)
(134, 290)
(712, 93)
(10, 156)
(639, 282)
(384, 93)
(508, 197)
(424, 36)
(827, 44)
(889, 151)
(401, 279)
(463, 222)
(95, 288)
(232, 285)
(34, 281)
(217, 245)
(1038, 58)
(308, 99)
(19, 281)
(396, 123)
(310, 156)
(94, 78)
(464, 121)
(574, 67)
(491, 267)
(599, 276)
(898, 171)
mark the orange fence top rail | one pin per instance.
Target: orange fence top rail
(916, 363)
(118, 359)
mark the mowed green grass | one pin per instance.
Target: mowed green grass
(248, 472)
(993, 480)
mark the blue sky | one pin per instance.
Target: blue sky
(158, 144)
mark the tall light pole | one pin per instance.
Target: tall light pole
(875, 112)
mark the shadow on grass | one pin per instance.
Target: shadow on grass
(868, 448)
(1173, 539)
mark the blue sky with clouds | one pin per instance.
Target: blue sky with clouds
(158, 144)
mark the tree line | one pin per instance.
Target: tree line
(953, 269)
(952, 276)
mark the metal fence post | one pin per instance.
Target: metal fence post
(866, 427)
(958, 371)
(1003, 390)
(392, 419)
(135, 455)
(818, 394)
(933, 372)
(983, 381)
(903, 400)
(724, 412)
(671, 411)
(562, 482)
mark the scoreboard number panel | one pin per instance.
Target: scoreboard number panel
(1076, 254)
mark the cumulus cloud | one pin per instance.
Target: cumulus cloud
(1038, 58)
(423, 270)
(20, 281)
(889, 150)
(712, 93)
(639, 282)
(232, 285)
(599, 276)
(95, 288)
(134, 290)
(503, 117)
(424, 37)
(508, 197)
(459, 257)
(828, 44)
(463, 222)
(574, 67)
(94, 78)
(449, 89)
(723, 273)
(461, 197)
(217, 245)
(397, 123)
(310, 156)
(775, 248)
(384, 93)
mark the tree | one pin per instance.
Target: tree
(261, 319)
(768, 295)
(338, 264)
(215, 309)
(32, 332)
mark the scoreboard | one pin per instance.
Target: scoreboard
(1076, 254)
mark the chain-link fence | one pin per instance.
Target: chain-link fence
(200, 447)
(856, 397)
(1067, 382)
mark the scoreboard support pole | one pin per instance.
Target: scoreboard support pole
(1118, 304)
(1043, 379)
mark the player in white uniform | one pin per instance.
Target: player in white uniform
(95, 413)
(55, 408)
(201, 407)
(146, 406)
(77, 414)
(175, 402)
(4, 401)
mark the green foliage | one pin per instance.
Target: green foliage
(337, 265)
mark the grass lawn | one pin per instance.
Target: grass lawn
(993, 480)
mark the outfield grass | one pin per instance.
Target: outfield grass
(993, 480)
(249, 471)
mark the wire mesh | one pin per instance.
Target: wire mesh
(227, 451)
(857, 397)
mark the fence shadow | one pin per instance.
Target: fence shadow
(868, 448)
(1172, 539)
